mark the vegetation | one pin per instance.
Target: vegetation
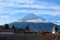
(17, 30)
(27, 27)
(13, 27)
(6, 26)
(1, 27)
(56, 28)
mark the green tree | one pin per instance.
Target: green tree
(6, 26)
(1, 27)
(27, 27)
(13, 27)
(56, 28)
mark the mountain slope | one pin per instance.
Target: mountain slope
(35, 26)
(32, 18)
(35, 23)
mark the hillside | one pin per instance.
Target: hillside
(35, 23)
(35, 26)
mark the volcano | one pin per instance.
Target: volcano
(35, 23)
(32, 18)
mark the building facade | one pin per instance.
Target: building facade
(6, 31)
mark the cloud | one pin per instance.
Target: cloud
(55, 22)
(12, 7)
(36, 12)
(5, 17)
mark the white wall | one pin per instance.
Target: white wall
(6, 32)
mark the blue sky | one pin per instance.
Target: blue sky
(12, 10)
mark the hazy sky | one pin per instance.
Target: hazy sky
(12, 10)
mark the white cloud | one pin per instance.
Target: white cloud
(55, 22)
(5, 17)
(38, 6)
(27, 4)
(36, 12)
(14, 7)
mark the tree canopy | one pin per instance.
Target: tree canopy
(13, 27)
(6, 26)
(27, 27)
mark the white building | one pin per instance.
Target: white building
(54, 30)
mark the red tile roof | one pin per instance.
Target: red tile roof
(6, 30)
